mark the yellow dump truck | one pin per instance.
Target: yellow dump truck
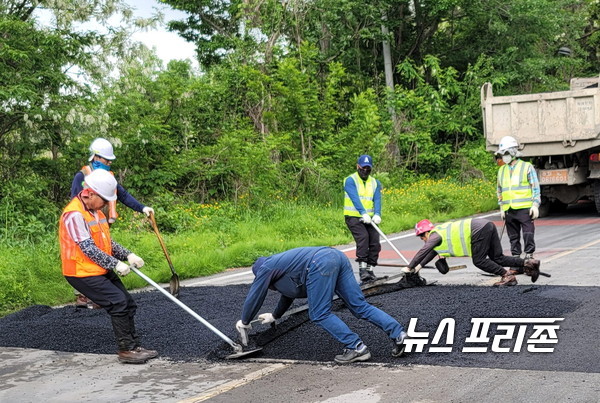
(558, 132)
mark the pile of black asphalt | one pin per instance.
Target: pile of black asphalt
(177, 336)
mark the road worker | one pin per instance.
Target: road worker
(475, 237)
(91, 261)
(519, 198)
(102, 156)
(362, 205)
(317, 273)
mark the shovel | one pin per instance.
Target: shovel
(174, 282)
(388, 241)
(237, 348)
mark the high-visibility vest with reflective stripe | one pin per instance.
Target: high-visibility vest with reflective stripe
(111, 207)
(74, 262)
(516, 189)
(456, 238)
(366, 192)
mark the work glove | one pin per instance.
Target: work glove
(534, 212)
(148, 210)
(122, 269)
(376, 219)
(243, 331)
(406, 270)
(502, 214)
(366, 218)
(135, 261)
(266, 318)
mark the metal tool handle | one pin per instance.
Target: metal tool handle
(388, 241)
(187, 309)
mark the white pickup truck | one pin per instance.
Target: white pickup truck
(558, 132)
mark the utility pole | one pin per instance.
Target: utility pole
(387, 64)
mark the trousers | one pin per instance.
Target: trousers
(109, 292)
(487, 254)
(367, 240)
(330, 273)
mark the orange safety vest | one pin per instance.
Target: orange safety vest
(111, 209)
(74, 262)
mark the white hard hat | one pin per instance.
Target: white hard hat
(506, 143)
(103, 183)
(103, 148)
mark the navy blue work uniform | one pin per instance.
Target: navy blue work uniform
(315, 273)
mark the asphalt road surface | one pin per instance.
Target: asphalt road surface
(540, 341)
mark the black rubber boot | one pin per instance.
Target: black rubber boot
(364, 273)
(122, 328)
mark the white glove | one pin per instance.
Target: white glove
(122, 269)
(147, 210)
(417, 268)
(135, 261)
(406, 270)
(366, 218)
(502, 214)
(376, 219)
(243, 331)
(266, 318)
(534, 212)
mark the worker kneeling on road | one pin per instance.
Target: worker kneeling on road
(89, 257)
(470, 237)
(317, 273)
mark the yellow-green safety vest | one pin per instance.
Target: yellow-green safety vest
(366, 192)
(516, 189)
(456, 238)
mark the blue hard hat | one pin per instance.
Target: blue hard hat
(365, 161)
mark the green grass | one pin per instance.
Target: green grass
(220, 236)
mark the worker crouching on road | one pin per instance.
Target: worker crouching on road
(317, 273)
(90, 259)
(362, 206)
(475, 237)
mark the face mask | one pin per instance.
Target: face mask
(507, 159)
(364, 173)
(100, 165)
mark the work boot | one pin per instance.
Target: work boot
(149, 353)
(399, 346)
(365, 273)
(360, 353)
(532, 269)
(371, 274)
(133, 357)
(507, 280)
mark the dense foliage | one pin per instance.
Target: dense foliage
(290, 93)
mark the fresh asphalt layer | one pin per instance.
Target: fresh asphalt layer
(177, 336)
(66, 351)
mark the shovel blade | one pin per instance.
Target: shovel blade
(174, 286)
(242, 354)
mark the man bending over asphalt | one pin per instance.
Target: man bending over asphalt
(316, 273)
(475, 237)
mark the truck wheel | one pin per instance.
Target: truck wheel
(558, 207)
(596, 191)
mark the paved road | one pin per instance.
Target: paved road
(568, 246)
